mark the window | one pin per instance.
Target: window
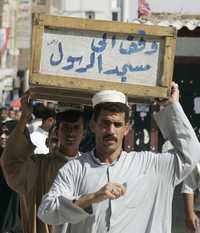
(90, 14)
(115, 16)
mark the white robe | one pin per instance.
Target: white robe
(191, 184)
(150, 179)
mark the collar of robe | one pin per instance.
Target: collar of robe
(65, 157)
(98, 161)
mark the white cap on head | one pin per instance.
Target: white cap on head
(109, 96)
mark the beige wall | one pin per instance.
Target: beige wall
(41, 6)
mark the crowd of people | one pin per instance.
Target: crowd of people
(50, 186)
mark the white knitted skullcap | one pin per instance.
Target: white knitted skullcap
(109, 96)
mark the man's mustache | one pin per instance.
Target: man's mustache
(109, 137)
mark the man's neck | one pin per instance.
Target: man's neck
(68, 152)
(108, 157)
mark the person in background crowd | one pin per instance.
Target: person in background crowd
(52, 140)
(9, 201)
(4, 114)
(110, 190)
(40, 134)
(32, 175)
(11, 114)
(36, 118)
(191, 191)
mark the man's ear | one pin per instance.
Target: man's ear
(84, 133)
(127, 126)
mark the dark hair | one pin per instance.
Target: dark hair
(71, 115)
(48, 113)
(40, 111)
(111, 107)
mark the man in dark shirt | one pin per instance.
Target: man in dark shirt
(9, 202)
